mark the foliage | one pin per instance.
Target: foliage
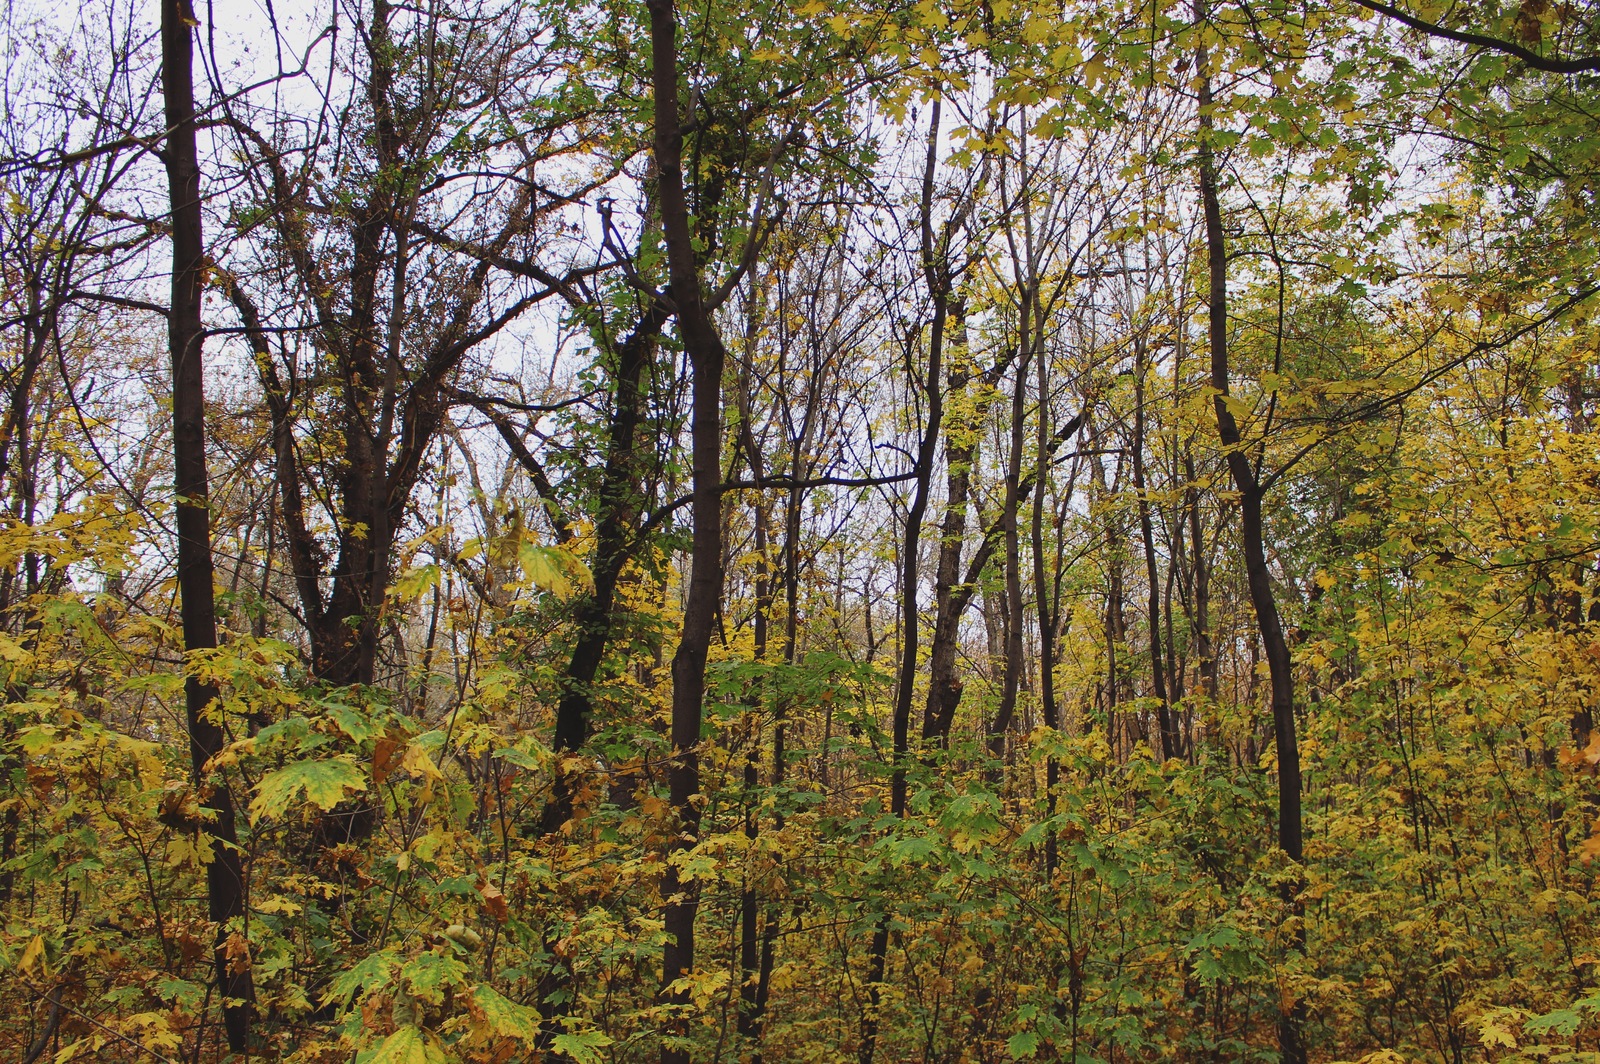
(449, 439)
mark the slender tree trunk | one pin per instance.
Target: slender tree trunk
(960, 449)
(750, 1001)
(1118, 730)
(939, 284)
(1201, 620)
(1046, 604)
(1170, 746)
(1257, 575)
(1114, 627)
(780, 759)
(704, 347)
(769, 934)
(944, 701)
(1012, 676)
(225, 893)
(749, 900)
(614, 547)
(615, 543)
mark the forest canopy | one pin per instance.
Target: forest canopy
(540, 530)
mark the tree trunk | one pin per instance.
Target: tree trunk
(1047, 605)
(703, 345)
(939, 285)
(1279, 666)
(614, 547)
(225, 894)
(1012, 676)
(1201, 619)
(960, 449)
(751, 983)
(1170, 746)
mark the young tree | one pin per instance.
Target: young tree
(225, 887)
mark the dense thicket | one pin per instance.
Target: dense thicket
(615, 532)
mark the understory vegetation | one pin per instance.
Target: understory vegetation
(878, 532)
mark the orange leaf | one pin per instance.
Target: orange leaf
(384, 757)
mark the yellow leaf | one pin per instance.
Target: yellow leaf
(418, 760)
(33, 956)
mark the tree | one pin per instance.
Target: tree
(372, 260)
(225, 887)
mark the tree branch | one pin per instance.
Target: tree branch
(1478, 40)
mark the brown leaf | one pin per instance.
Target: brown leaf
(43, 780)
(494, 902)
(237, 950)
(384, 756)
(1529, 26)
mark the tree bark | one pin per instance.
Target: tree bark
(1047, 605)
(960, 449)
(1170, 746)
(939, 285)
(1201, 620)
(943, 703)
(614, 547)
(1012, 678)
(225, 895)
(704, 348)
(1268, 622)
(752, 983)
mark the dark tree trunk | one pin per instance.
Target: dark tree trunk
(752, 999)
(614, 547)
(1119, 730)
(225, 893)
(1201, 619)
(704, 348)
(1047, 605)
(937, 274)
(1012, 678)
(389, 406)
(1250, 491)
(1170, 746)
(750, 1004)
(960, 449)
(944, 701)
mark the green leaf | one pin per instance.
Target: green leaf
(582, 1048)
(409, 1045)
(354, 723)
(972, 820)
(373, 970)
(1564, 1022)
(1022, 1045)
(553, 569)
(181, 992)
(323, 783)
(529, 753)
(906, 850)
(414, 583)
(430, 974)
(505, 1017)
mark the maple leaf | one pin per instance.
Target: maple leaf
(583, 1048)
(323, 782)
(494, 902)
(409, 1045)
(505, 1017)
(383, 757)
(429, 974)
